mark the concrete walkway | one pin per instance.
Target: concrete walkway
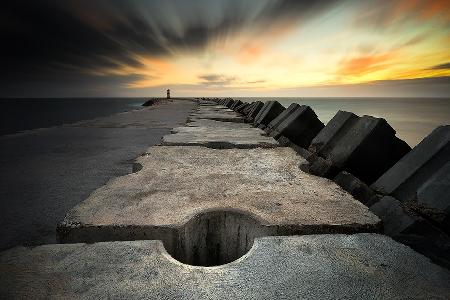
(243, 213)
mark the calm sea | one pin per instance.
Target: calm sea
(413, 119)
(24, 114)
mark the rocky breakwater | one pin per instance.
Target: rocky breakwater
(222, 209)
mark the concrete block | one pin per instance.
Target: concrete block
(365, 146)
(322, 167)
(435, 192)
(177, 185)
(240, 109)
(235, 104)
(359, 266)
(298, 123)
(413, 230)
(285, 142)
(241, 106)
(417, 168)
(254, 111)
(247, 108)
(356, 188)
(329, 136)
(394, 217)
(229, 103)
(268, 112)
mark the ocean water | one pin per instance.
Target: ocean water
(24, 114)
(413, 119)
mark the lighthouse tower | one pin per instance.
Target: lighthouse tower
(168, 94)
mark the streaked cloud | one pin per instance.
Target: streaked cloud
(115, 47)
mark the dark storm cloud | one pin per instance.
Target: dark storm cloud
(46, 39)
(445, 66)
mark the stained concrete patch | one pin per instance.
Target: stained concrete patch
(218, 114)
(178, 183)
(217, 124)
(360, 266)
(220, 136)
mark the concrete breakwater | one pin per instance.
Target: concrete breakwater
(238, 186)
(408, 189)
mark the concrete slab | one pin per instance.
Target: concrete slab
(177, 186)
(216, 124)
(218, 116)
(216, 108)
(360, 266)
(219, 137)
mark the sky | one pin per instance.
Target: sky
(292, 48)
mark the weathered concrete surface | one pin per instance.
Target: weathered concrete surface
(224, 116)
(221, 137)
(298, 123)
(406, 177)
(366, 148)
(360, 266)
(46, 172)
(177, 183)
(216, 124)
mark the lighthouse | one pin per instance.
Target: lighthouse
(168, 94)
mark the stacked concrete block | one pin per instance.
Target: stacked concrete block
(236, 104)
(231, 103)
(406, 226)
(248, 108)
(298, 125)
(364, 146)
(268, 112)
(254, 111)
(423, 177)
(228, 103)
(240, 108)
(416, 169)
(356, 188)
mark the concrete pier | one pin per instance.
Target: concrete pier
(222, 210)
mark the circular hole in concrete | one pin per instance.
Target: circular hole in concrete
(217, 237)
